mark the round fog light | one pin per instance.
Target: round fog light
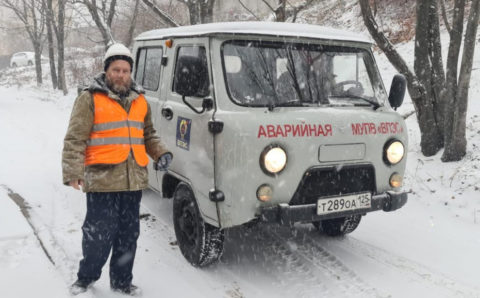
(396, 180)
(264, 193)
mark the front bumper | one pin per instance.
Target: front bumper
(288, 214)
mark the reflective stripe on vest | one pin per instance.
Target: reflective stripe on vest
(115, 133)
(118, 124)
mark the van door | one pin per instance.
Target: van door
(185, 132)
(148, 75)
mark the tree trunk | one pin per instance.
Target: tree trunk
(194, 12)
(431, 138)
(422, 66)
(432, 131)
(451, 79)
(438, 74)
(100, 22)
(280, 11)
(200, 11)
(51, 52)
(131, 28)
(62, 83)
(456, 146)
(206, 11)
(37, 47)
(160, 13)
(37, 39)
(32, 15)
(61, 46)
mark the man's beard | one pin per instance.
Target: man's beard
(121, 89)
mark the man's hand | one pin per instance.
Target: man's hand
(76, 184)
(163, 162)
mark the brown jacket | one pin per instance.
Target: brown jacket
(126, 176)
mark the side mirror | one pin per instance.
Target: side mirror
(397, 91)
(190, 75)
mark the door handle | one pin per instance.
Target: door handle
(167, 113)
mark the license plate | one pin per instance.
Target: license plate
(344, 203)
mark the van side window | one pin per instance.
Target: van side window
(140, 66)
(199, 52)
(148, 68)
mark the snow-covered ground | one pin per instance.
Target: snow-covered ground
(429, 248)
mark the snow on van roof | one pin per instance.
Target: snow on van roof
(256, 28)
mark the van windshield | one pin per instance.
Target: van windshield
(274, 74)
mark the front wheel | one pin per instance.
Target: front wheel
(200, 243)
(338, 226)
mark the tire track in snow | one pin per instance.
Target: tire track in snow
(321, 265)
(248, 252)
(419, 271)
(159, 235)
(293, 267)
(258, 259)
(267, 260)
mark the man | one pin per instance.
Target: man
(105, 152)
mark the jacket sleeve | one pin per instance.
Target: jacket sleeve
(154, 146)
(75, 142)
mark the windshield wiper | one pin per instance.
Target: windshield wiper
(271, 106)
(294, 103)
(375, 104)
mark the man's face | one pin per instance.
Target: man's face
(118, 77)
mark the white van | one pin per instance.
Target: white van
(270, 122)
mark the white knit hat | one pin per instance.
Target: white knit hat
(115, 52)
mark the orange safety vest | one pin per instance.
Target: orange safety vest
(115, 132)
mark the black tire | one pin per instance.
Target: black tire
(14, 64)
(338, 226)
(29, 63)
(200, 243)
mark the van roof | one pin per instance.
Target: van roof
(256, 28)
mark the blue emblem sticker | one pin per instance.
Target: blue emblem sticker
(184, 126)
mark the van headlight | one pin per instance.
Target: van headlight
(273, 159)
(393, 152)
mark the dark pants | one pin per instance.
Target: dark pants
(112, 223)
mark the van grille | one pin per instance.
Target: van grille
(322, 182)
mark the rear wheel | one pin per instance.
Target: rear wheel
(200, 243)
(30, 63)
(338, 226)
(14, 64)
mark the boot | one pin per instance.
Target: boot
(80, 286)
(131, 290)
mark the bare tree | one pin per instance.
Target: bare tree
(284, 9)
(280, 10)
(431, 88)
(455, 120)
(133, 22)
(444, 15)
(249, 10)
(56, 19)
(31, 14)
(51, 45)
(167, 19)
(102, 13)
(200, 11)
